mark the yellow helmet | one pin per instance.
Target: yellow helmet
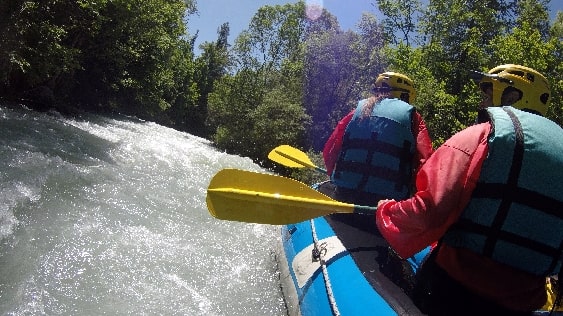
(398, 85)
(533, 87)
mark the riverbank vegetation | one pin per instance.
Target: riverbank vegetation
(287, 79)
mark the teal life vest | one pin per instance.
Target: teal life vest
(515, 215)
(377, 152)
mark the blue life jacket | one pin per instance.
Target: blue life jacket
(377, 152)
(515, 215)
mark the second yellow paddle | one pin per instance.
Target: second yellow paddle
(292, 157)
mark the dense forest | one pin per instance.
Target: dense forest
(287, 79)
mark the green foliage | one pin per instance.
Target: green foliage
(210, 66)
(330, 89)
(275, 34)
(437, 107)
(523, 46)
(400, 17)
(37, 44)
(307, 175)
(260, 106)
(555, 71)
(288, 78)
(135, 47)
(463, 36)
(97, 55)
(457, 33)
(277, 120)
(526, 45)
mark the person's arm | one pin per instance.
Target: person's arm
(444, 185)
(333, 145)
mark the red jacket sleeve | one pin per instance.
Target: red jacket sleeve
(333, 145)
(423, 141)
(444, 185)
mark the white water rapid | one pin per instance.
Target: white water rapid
(107, 216)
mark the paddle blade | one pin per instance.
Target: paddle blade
(252, 197)
(292, 157)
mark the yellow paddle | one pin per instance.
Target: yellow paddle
(292, 157)
(245, 196)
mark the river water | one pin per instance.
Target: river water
(107, 216)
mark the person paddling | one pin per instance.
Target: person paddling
(372, 154)
(373, 151)
(492, 195)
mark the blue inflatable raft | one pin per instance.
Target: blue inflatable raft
(340, 265)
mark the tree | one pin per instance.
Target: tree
(230, 107)
(400, 17)
(40, 43)
(275, 33)
(279, 119)
(339, 70)
(210, 67)
(128, 63)
(456, 34)
(248, 109)
(96, 55)
(327, 81)
(555, 71)
(528, 45)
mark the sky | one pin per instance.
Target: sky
(213, 13)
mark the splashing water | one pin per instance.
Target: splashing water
(108, 216)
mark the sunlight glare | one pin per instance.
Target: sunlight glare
(314, 9)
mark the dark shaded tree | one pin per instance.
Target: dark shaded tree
(339, 70)
(96, 55)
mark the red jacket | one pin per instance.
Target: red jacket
(444, 187)
(333, 145)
